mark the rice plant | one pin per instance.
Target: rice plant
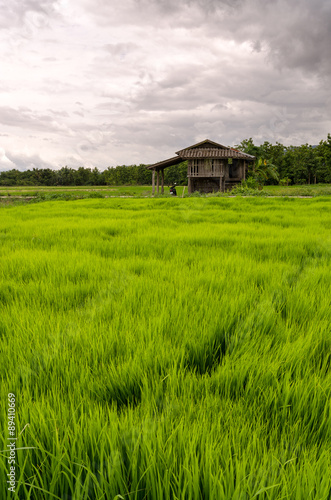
(167, 348)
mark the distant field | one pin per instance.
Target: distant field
(107, 191)
(303, 190)
(167, 348)
(30, 193)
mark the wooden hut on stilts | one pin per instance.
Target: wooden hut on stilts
(211, 167)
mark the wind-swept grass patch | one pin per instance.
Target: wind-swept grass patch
(167, 348)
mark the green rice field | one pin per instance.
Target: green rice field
(166, 349)
(22, 194)
(49, 192)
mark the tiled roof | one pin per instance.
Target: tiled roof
(204, 149)
(207, 143)
(213, 153)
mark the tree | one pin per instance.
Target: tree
(323, 157)
(176, 174)
(263, 170)
(66, 176)
(247, 146)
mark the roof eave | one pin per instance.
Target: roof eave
(175, 160)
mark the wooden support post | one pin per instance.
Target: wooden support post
(162, 181)
(158, 181)
(153, 182)
(189, 186)
(244, 170)
(222, 178)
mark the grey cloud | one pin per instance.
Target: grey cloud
(62, 114)
(26, 118)
(16, 12)
(294, 34)
(219, 107)
(158, 12)
(24, 162)
(87, 147)
(158, 99)
(179, 77)
(257, 46)
(206, 7)
(155, 76)
(303, 38)
(120, 49)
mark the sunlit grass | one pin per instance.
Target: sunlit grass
(168, 349)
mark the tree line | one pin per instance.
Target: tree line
(65, 176)
(303, 164)
(113, 176)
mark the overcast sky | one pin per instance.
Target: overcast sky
(103, 83)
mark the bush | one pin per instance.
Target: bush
(197, 194)
(95, 195)
(250, 183)
(242, 190)
(285, 182)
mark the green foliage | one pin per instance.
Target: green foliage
(264, 170)
(176, 174)
(303, 164)
(303, 190)
(167, 348)
(121, 175)
(285, 182)
(246, 190)
(28, 194)
(250, 183)
(66, 196)
(247, 146)
(197, 194)
(131, 175)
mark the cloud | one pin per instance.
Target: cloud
(25, 118)
(20, 161)
(100, 83)
(121, 49)
(295, 34)
(32, 15)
